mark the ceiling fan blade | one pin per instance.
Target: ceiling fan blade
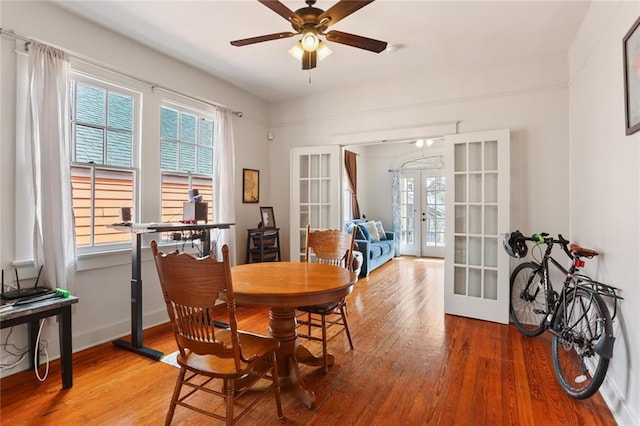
(309, 60)
(260, 39)
(283, 11)
(341, 10)
(356, 41)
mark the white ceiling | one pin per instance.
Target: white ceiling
(431, 35)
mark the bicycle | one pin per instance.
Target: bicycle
(578, 318)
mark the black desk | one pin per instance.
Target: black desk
(138, 229)
(31, 314)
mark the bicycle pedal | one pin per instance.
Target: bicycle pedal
(539, 312)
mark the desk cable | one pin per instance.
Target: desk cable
(36, 351)
(21, 352)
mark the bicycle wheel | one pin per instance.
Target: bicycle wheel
(528, 304)
(580, 321)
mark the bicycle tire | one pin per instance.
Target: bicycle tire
(579, 369)
(527, 303)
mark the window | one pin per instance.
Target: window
(435, 192)
(104, 139)
(186, 158)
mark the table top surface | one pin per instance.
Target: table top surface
(23, 310)
(290, 284)
(141, 228)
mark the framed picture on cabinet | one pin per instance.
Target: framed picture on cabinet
(250, 186)
(268, 218)
(631, 52)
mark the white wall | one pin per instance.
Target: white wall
(530, 97)
(102, 284)
(605, 187)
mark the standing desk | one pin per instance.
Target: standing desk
(31, 314)
(138, 230)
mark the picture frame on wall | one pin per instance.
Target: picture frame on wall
(631, 53)
(250, 186)
(268, 219)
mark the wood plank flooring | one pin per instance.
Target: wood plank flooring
(411, 365)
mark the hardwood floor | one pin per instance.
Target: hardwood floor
(411, 365)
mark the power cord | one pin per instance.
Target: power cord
(36, 352)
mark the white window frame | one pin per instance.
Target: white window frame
(199, 114)
(78, 76)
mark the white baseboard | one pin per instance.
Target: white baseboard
(622, 412)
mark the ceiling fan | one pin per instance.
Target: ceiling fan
(312, 22)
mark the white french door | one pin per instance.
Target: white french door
(477, 199)
(422, 213)
(315, 193)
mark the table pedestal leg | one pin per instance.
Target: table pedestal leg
(304, 356)
(282, 327)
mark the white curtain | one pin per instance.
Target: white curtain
(224, 182)
(48, 132)
(395, 207)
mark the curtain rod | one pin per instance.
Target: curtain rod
(94, 63)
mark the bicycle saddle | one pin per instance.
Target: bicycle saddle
(582, 252)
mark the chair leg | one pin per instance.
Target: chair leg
(346, 324)
(324, 344)
(175, 396)
(276, 383)
(229, 390)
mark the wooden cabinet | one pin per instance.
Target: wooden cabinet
(263, 245)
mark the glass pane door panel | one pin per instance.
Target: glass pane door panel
(475, 219)
(491, 284)
(324, 213)
(325, 191)
(491, 188)
(475, 188)
(491, 156)
(315, 217)
(304, 191)
(461, 220)
(460, 158)
(491, 220)
(325, 165)
(460, 281)
(314, 166)
(314, 196)
(475, 156)
(461, 189)
(475, 251)
(461, 250)
(304, 166)
(475, 282)
(491, 252)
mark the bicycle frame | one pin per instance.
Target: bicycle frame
(572, 282)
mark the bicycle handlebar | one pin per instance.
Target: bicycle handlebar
(544, 238)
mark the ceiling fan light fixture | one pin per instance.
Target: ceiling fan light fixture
(296, 51)
(323, 50)
(310, 40)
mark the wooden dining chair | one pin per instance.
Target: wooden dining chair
(331, 247)
(197, 292)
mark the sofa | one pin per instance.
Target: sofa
(376, 249)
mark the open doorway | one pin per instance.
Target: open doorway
(422, 206)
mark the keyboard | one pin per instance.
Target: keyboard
(23, 293)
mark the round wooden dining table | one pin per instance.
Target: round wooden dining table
(283, 286)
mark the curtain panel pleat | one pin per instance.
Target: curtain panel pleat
(224, 181)
(54, 237)
(350, 164)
